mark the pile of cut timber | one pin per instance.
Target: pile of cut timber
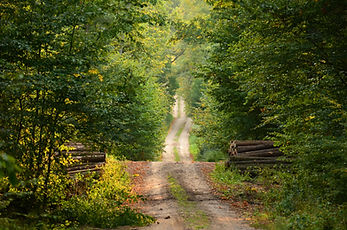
(86, 159)
(245, 154)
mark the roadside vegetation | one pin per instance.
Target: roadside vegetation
(93, 72)
(277, 70)
(193, 147)
(105, 73)
(92, 200)
(257, 198)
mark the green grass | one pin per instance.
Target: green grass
(193, 147)
(168, 120)
(193, 217)
(271, 211)
(177, 156)
(179, 132)
(227, 176)
(233, 185)
(212, 155)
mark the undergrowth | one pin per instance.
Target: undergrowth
(193, 147)
(277, 203)
(106, 203)
(96, 201)
(168, 120)
(201, 152)
(233, 185)
(211, 155)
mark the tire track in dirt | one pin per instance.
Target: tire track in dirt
(163, 206)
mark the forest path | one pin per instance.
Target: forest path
(193, 205)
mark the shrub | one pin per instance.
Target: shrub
(106, 203)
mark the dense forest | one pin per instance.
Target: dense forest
(277, 70)
(105, 73)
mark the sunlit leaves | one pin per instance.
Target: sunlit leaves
(52, 78)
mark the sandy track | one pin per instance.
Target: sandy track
(180, 120)
(163, 206)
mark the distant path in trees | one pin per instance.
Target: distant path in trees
(182, 144)
(200, 209)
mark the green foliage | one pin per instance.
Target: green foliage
(168, 120)
(15, 224)
(277, 70)
(193, 146)
(228, 176)
(8, 168)
(233, 185)
(41, 99)
(103, 214)
(52, 80)
(76, 71)
(97, 201)
(211, 155)
(281, 209)
(105, 203)
(188, 51)
(196, 92)
(212, 138)
(133, 112)
(84, 71)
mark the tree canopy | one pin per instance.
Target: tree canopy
(277, 69)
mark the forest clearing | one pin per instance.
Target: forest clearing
(173, 114)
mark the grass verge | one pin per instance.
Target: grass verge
(179, 132)
(243, 192)
(234, 186)
(168, 121)
(193, 147)
(264, 201)
(193, 217)
(105, 204)
(102, 201)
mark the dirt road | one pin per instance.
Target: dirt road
(178, 195)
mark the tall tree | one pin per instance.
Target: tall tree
(51, 59)
(279, 69)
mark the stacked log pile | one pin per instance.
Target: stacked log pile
(86, 159)
(253, 153)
